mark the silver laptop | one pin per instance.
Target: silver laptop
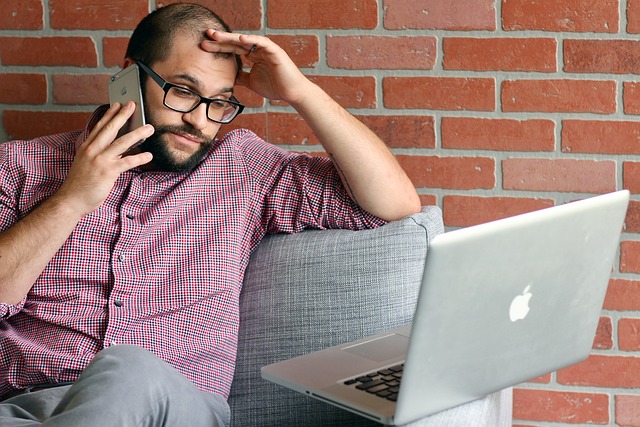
(500, 303)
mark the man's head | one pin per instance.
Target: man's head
(168, 40)
(152, 40)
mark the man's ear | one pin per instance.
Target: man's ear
(127, 61)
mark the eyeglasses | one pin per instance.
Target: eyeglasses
(185, 100)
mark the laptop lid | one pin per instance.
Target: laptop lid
(500, 303)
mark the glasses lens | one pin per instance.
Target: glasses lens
(222, 111)
(181, 99)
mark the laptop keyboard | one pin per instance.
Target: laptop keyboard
(384, 383)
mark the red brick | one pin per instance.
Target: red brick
(602, 56)
(560, 406)
(436, 93)
(563, 175)
(92, 15)
(560, 15)
(396, 131)
(349, 92)
(631, 97)
(500, 54)
(603, 371)
(498, 134)
(563, 96)
(379, 52)
(632, 221)
(285, 128)
(631, 177)
(627, 410)
(238, 14)
(604, 334)
(604, 137)
(403, 131)
(52, 51)
(462, 173)
(629, 334)
(302, 49)
(464, 211)
(428, 199)
(113, 51)
(257, 122)
(32, 124)
(633, 16)
(322, 14)
(465, 15)
(23, 88)
(630, 257)
(21, 15)
(623, 295)
(87, 89)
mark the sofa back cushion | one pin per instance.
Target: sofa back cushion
(315, 289)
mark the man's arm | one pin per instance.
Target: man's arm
(28, 246)
(368, 169)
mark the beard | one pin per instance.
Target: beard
(166, 160)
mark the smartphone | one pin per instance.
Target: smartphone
(125, 86)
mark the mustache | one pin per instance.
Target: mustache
(185, 129)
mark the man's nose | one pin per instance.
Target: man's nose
(198, 117)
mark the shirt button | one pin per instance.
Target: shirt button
(117, 303)
(121, 257)
(130, 216)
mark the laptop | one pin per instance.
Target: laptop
(500, 303)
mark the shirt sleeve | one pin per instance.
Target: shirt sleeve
(300, 191)
(8, 190)
(8, 214)
(8, 310)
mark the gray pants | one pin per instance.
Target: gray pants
(123, 386)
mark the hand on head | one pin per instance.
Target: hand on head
(273, 74)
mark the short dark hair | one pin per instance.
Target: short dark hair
(152, 39)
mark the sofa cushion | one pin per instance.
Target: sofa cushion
(315, 289)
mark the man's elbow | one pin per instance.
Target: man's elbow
(402, 207)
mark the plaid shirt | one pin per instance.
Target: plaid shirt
(160, 264)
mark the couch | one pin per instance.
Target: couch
(315, 289)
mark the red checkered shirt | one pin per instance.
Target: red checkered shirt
(160, 263)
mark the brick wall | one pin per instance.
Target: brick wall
(493, 107)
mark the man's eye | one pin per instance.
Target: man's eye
(182, 92)
(219, 103)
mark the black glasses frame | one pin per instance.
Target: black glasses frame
(166, 86)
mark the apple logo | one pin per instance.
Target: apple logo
(520, 305)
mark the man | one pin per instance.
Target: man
(120, 268)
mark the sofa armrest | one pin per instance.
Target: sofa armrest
(306, 291)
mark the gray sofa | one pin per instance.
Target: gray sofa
(316, 289)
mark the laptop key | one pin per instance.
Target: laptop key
(377, 389)
(369, 384)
